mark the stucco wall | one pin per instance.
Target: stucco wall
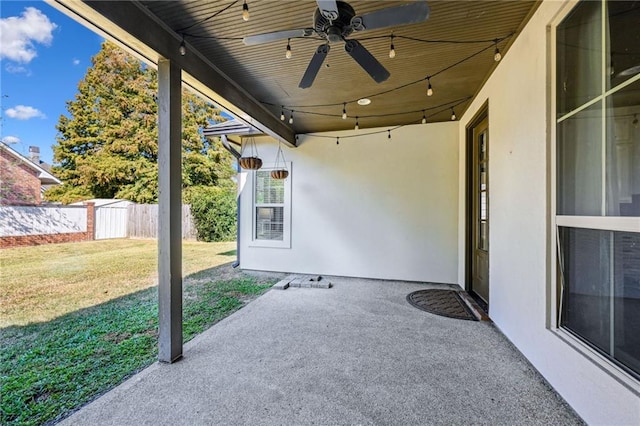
(518, 167)
(368, 207)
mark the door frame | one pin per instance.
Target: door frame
(481, 115)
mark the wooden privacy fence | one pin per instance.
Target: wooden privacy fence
(143, 222)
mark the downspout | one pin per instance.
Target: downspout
(236, 154)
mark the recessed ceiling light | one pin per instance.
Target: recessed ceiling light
(364, 101)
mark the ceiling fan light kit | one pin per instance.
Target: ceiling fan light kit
(334, 21)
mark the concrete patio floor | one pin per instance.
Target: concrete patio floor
(357, 353)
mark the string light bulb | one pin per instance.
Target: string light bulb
(357, 126)
(497, 56)
(338, 140)
(424, 118)
(392, 49)
(288, 53)
(183, 48)
(453, 114)
(429, 87)
(344, 111)
(245, 11)
(282, 117)
(389, 134)
(291, 118)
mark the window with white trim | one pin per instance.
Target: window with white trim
(271, 209)
(598, 178)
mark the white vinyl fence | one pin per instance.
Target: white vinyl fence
(111, 222)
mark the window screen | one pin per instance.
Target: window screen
(269, 206)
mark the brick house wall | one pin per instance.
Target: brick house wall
(19, 184)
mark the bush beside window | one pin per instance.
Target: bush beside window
(214, 211)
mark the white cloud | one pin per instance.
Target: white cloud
(17, 69)
(76, 61)
(23, 112)
(19, 33)
(10, 140)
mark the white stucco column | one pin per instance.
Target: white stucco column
(169, 211)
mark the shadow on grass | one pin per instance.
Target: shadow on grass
(229, 253)
(50, 369)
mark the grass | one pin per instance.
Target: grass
(50, 368)
(63, 278)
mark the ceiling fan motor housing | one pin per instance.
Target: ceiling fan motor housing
(337, 30)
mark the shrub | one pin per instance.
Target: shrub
(214, 212)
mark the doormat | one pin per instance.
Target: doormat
(446, 303)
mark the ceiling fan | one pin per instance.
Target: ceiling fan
(334, 21)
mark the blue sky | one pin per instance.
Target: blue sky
(43, 56)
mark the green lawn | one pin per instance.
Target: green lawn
(96, 322)
(43, 282)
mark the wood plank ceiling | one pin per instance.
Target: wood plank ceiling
(265, 73)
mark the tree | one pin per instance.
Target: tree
(108, 145)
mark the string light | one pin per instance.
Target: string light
(453, 114)
(288, 54)
(424, 118)
(392, 49)
(357, 126)
(245, 11)
(282, 113)
(183, 48)
(497, 56)
(291, 118)
(429, 87)
(434, 110)
(344, 111)
(338, 140)
(389, 134)
(405, 85)
(376, 132)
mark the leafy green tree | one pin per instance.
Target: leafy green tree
(107, 147)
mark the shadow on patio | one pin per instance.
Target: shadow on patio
(357, 353)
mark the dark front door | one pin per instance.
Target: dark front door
(479, 211)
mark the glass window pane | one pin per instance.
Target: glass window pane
(586, 299)
(269, 223)
(623, 41)
(604, 313)
(627, 299)
(579, 53)
(579, 163)
(268, 190)
(623, 151)
(483, 240)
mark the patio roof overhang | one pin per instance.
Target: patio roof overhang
(454, 50)
(138, 30)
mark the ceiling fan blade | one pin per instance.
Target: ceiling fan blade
(314, 66)
(275, 36)
(329, 9)
(366, 60)
(411, 13)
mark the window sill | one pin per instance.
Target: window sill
(617, 373)
(270, 244)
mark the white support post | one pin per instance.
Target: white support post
(169, 211)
